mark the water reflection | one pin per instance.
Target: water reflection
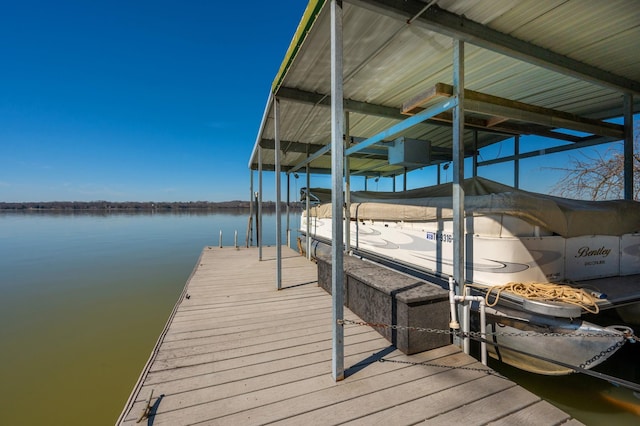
(85, 295)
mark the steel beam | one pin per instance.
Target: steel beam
(590, 141)
(506, 129)
(310, 158)
(350, 105)
(290, 146)
(408, 123)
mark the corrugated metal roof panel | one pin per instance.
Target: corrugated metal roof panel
(388, 61)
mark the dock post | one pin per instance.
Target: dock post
(276, 124)
(516, 162)
(474, 164)
(458, 175)
(337, 195)
(307, 201)
(288, 202)
(250, 226)
(404, 180)
(259, 219)
(347, 188)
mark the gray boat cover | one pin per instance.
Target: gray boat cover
(562, 216)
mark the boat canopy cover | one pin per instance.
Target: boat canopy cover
(562, 216)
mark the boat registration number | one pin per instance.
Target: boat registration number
(440, 236)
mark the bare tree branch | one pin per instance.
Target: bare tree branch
(597, 176)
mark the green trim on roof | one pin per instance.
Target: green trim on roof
(307, 21)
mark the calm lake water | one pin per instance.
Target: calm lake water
(84, 298)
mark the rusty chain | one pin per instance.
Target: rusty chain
(476, 334)
(606, 352)
(451, 367)
(627, 336)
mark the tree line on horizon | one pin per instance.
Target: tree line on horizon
(133, 205)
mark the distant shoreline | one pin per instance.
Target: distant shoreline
(135, 206)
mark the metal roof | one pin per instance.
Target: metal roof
(531, 66)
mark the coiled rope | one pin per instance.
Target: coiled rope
(543, 291)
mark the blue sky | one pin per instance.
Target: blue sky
(135, 100)
(153, 101)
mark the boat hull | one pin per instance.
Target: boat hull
(514, 335)
(531, 342)
(495, 254)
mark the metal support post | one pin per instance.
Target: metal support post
(475, 154)
(628, 146)
(259, 220)
(404, 180)
(458, 171)
(337, 195)
(255, 201)
(250, 226)
(288, 203)
(516, 162)
(308, 209)
(347, 188)
(276, 121)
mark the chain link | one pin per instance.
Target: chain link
(627, 336)
(429, 364)
(606, 352)
(394, 326)
(476, 334)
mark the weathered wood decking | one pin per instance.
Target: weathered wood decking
(238, 352)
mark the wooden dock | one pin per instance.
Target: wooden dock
(236, 351)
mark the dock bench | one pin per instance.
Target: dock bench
(383, 296)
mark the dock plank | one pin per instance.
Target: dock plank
(539, 413)
(238, 351)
